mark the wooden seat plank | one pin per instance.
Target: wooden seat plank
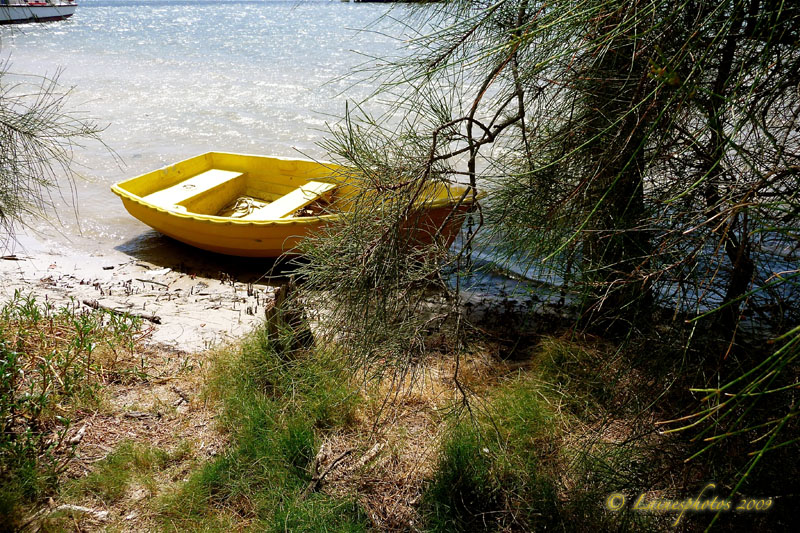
(291, 202)
(190, 188)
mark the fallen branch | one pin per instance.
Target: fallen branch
(153, 282)
(78, 437)
(183, 395)
(94, 304)
(140, 414)
(367, 457)
(47, 511)
(317, 478)
(97, 515)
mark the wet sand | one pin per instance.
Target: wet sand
(200, 299)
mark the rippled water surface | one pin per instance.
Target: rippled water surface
(172, 79)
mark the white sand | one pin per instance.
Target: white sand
(195, 311)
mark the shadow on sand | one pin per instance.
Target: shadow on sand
(158, 250)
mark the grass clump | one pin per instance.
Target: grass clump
(53, 363)
(277, 404)
(537, 452)
(129, 463)
(583, 371)
(464, 488)
(492, 469)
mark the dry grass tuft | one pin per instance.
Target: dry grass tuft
(390, 452)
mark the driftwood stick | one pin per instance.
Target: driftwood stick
(317, 478)
(94, 304)
(153, 282)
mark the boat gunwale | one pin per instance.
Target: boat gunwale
(124, 194)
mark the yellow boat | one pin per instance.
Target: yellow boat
(257, 206)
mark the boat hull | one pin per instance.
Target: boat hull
(20, 14)
(258, 238)
(251, 240)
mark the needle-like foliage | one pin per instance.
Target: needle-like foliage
(640, 156)
(37, 139)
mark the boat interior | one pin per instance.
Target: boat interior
(239, 187)
(255, 188)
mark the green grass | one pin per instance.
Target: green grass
(129, 463)
(491, 470)
(277, 407)
(464, 487)
(584, 374)
(543, 449)
(53, 362)
(516, 464)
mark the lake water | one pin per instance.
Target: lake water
(172, 79)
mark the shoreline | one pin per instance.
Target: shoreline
(201, 300)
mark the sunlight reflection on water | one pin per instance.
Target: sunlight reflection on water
(172, 79)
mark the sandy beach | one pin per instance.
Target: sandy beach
(191, 300)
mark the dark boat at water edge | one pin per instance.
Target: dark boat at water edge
(22, 11)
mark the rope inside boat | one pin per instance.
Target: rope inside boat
(241, 207)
